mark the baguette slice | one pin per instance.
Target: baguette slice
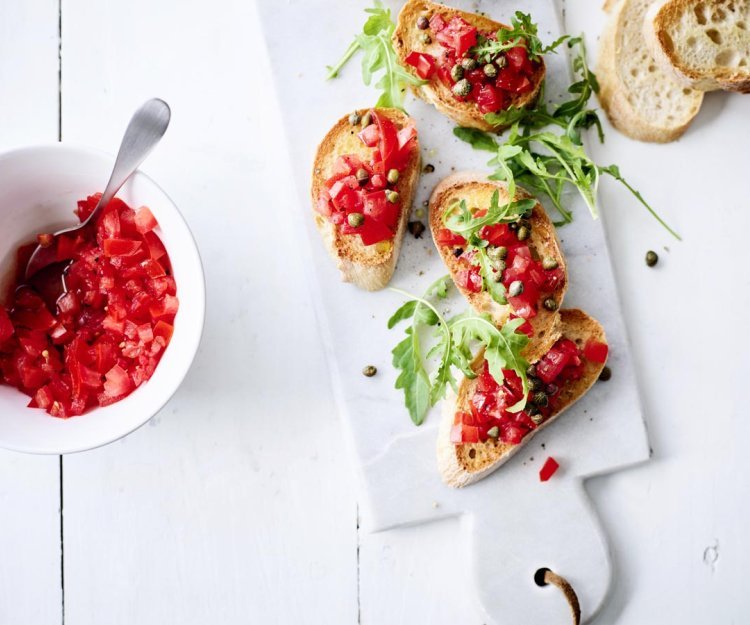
(466, 463)
(705, 44)
(406, 39)
(477, 190)
(369, 267)
(641, 100)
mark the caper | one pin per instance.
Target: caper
(531, 371)
(531, 410)
(499, 252)
(355, 219)
(493, 432)
(651, 258)
(490, 70)
(468, 64)
(416, 228)
(458, 251)
(550, 304)
(523, 233)
(423, 23)
(425, 38)
(499, 265)
(354, 118)
(498, 277)
(606, 374)
(392, 176)
(516, 288)
(535, 384)
(525, 223)
(501, 61)
(428, 169)
(392, 196)
(367, 119)
(362, 176)
(369, 371)
(462, 88)
(537, 418)
(549, 263)
(457, 72)
(513, 226)
(540, 399)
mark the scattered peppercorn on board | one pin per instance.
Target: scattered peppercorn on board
(519, 523)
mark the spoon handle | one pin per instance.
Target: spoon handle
(145, 130)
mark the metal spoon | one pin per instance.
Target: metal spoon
(146, 128)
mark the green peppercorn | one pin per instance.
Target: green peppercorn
(367, 119)
(355, 219)
(392, 176)
(425, 38)
(537, 418)
(501, 62)
(606, 374)
(369, 371)
(531, 371)
(540, 399)
(523, 233)
(392, 196)
(423, 23)
(362, 176)
(457, 72)
(550, 304)
(354, 118)
(493, 432)
(516, 288)
(651, 258)
(468, 64)
(549, 263)
(490, 70)
(462, 88)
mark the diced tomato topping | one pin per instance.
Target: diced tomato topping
(108, 331)
(459, 35)
(498, 234)
(548, 469)
(470, 279)
(423, 63)
(596, 351)
(369, 135)
(448, 237)
(437, 23)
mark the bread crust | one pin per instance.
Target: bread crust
(406, 40)
(369, 267)
(659, 18)
(613, 93)
(464, 464)
(477, 189)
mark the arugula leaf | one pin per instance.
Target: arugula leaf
(453, 341)
(379, 56)
(523, 32)
(493, 287)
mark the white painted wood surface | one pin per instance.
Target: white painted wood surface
(30, 549)
(237, 505)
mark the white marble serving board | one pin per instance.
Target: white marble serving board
(516, 523)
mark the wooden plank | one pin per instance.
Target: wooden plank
(235, 503)
(30, 574)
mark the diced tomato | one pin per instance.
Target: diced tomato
(470, 279)
(377, 207)
(448, 237)
(121, 247)
(548, 469)
(459, 35)
(489, 99)
(508, 79)
(437, 23)
(369, 135)
(117, 383)
(552, 364)
(423, 63)
(145, 220)
(373, 231)
(497, 234)
(6, 326)
(596, 351)
(388, 143)
(518, 59)
(512, 433)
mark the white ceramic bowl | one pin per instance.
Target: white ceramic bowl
(39, 188)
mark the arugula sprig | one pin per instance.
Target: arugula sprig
(546, 162)
(452, 341)
(379, 56)
(523, 32)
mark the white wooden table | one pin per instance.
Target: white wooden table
(237, 503)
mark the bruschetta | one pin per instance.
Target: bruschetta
(465, 79)
(511, 266)
(363, 182)
(477, 434)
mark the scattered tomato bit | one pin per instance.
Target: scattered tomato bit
(548, 469)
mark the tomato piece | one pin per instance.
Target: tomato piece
(489, 99)
(518, 59)
(459, 36)
(552, 364)
(121, 247)
(512, 433)
(470, 279)
(596, 351)
(508, 79)
(145, 220)
(373, 231)
(369, 135)
(549, 468)
(423, 63)
(448, 237)
(388, 144)
(6, 326)
(497, 234)
(156, 248)
(377, 207)
(117, 382)
(437, 23)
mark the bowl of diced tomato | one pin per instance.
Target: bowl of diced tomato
(85, 365)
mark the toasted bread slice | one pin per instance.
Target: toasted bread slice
(477, 191)
(704, 43)
(370, 267)
(466, 463)
(641, 100)
(406, 39)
